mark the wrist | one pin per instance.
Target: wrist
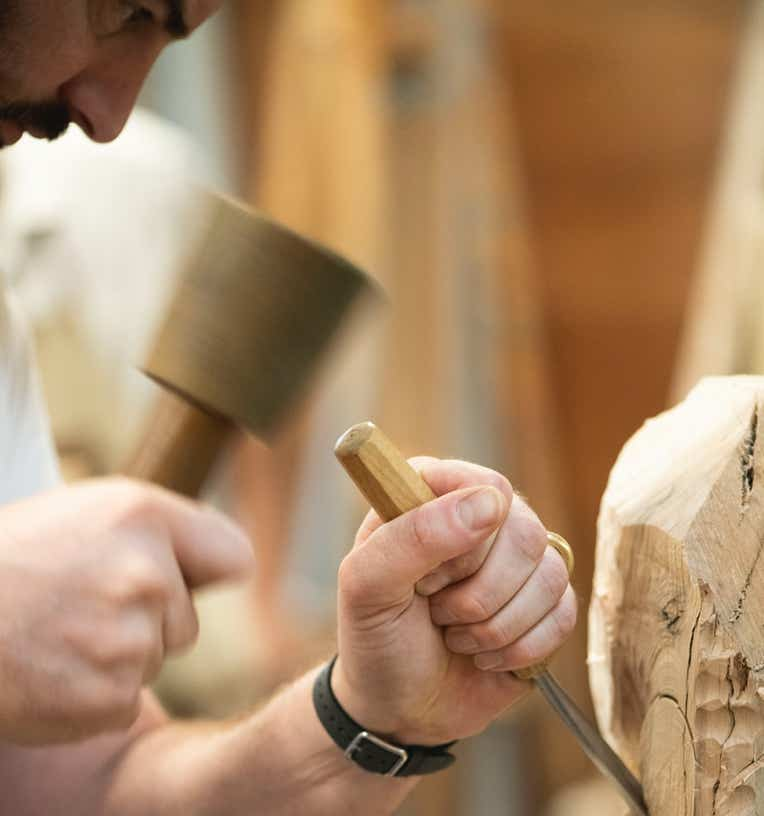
(373, 716)
(367, 746)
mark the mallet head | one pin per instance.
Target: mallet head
(255, 310)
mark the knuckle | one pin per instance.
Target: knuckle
(553, 575)
(462, 566)
(565, 617)
(139, 645)
(116, 589)
(113, 646)
(138, 576)
(95, 648)
(151, 583)
(138, 516)
(104, 650)
(424, 526)
(131, 500)
(527, 653)
(494, 635)
(529, 538)
(472, 607)
(351, 582)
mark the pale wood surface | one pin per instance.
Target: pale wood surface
(676, 624)
(723, 331)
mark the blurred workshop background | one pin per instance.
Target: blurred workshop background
(564, 203)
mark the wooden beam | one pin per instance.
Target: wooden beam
(723, 332)
(676, 626)
(315, 164)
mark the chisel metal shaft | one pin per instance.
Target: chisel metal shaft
(592, 743)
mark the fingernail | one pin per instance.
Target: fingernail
(481, 508)
(487, 661)
(461, 642)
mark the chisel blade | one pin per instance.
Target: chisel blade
(592, 742)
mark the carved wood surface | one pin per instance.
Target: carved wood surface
(676, 626)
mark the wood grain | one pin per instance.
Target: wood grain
(380, 471)
(676, 624)
(179, 446)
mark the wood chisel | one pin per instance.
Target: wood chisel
(393, 487)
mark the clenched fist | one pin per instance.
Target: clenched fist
(96, 584)
(437, 607)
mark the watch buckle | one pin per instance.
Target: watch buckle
(396, 750)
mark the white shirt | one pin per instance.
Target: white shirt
(27, 457)
(91, 238)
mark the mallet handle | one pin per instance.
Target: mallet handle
(179, 446)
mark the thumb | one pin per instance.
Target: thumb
(398, 554)
(208, 546)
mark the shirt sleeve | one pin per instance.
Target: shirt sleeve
(28, 462)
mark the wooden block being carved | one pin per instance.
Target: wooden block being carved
(676, 625)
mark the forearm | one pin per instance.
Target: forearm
(407, 669)
(277, 761)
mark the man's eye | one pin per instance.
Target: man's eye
(135, 13)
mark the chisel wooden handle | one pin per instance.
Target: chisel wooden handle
(379, 470)
(391, 486)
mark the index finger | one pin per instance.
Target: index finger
(208, 546)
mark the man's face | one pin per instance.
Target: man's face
(82, 61)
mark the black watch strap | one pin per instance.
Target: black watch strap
(371, 752)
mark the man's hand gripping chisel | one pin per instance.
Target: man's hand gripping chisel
(393, 487)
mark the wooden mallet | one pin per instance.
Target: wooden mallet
(256, 308)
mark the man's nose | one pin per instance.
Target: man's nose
(102, 96)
